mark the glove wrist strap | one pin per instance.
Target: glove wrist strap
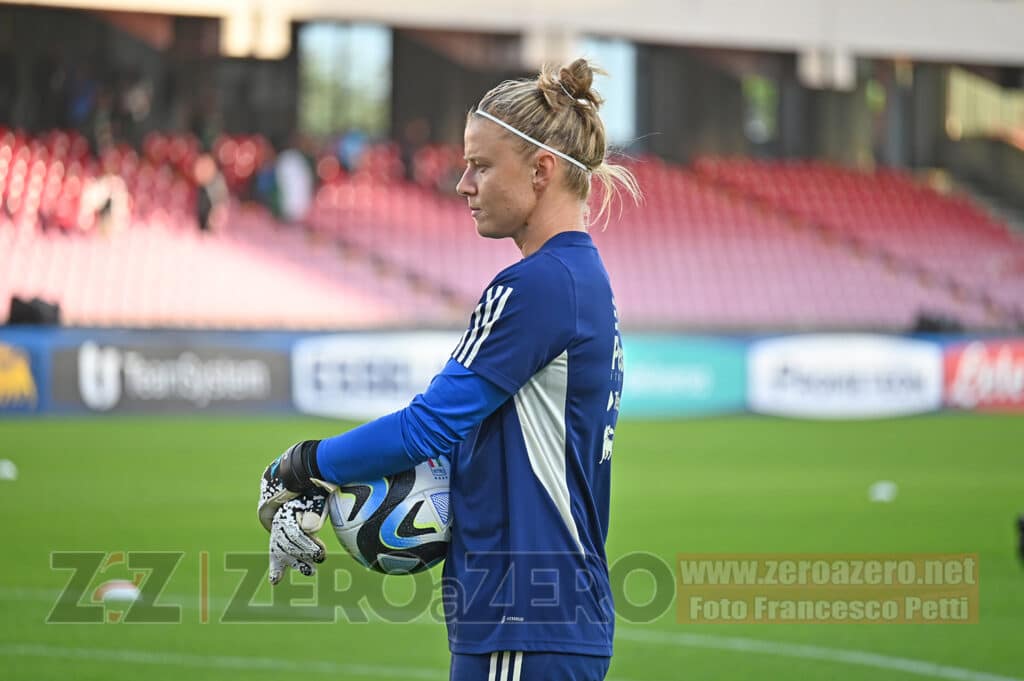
(300, 467)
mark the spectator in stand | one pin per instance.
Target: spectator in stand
(205, 122)
(295, 182)
(104, 205)
(350, 149)
(101, 127)
(136, 103)
(81, 99)
(265, 185)
(212, 201)
(415, 135)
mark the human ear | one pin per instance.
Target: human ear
(543, 170)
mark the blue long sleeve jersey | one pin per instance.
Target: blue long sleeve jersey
(456, 401)
(527, 408)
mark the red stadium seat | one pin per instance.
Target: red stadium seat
(728, 244)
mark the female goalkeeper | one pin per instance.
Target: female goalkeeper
(525, 408)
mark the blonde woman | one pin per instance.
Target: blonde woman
(525, 408)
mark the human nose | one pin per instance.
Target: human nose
(466, 186)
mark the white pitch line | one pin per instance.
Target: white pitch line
(807, 652)
(635, 634)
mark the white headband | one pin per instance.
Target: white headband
(529, 139)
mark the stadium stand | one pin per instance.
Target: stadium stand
(416, 228)
(692, 255)
(157, 269)
(251, 275)
(727, 244)
(714, 260)
(946, 239)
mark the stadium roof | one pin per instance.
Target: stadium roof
(942, 30)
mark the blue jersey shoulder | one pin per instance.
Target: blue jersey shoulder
(525, 318)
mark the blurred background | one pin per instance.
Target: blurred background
(807, 165)
(229, 225)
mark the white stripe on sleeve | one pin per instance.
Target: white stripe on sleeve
(483, 311)
(488, 326)
(474, 321)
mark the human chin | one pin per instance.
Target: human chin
(487, 228)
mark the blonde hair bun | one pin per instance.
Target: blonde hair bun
(570, 85)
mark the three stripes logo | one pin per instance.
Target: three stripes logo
(486, 314)
(505, 666)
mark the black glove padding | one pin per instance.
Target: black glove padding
(293, 473)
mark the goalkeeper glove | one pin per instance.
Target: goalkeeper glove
(293, 541)
(290, 475)
(293, 508)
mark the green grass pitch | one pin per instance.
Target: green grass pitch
(718, 485)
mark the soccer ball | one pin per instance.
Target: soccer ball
(397, 524)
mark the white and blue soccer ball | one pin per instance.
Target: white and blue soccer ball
(398, 524)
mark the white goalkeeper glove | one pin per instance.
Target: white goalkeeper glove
(293, 540)
(293, 508)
